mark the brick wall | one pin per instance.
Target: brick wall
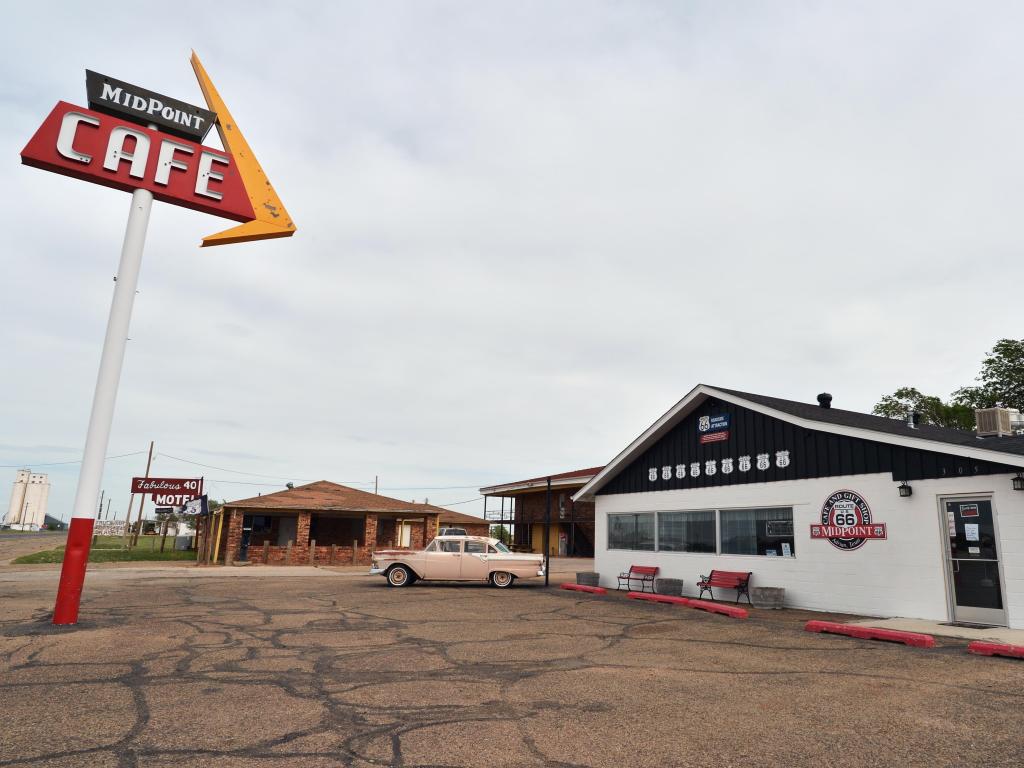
(530, 507)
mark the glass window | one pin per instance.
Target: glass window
(686, 531)
(758, 532)
(450, 546)
(501, 547)
(475, 547)
(431, 547)
(631, 531)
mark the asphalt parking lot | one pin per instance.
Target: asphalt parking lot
(242, 668)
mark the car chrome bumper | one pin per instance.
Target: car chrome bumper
(540, 572)
(376, 571)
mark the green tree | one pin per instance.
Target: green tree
(501, 533)
(1001, 381)
(1001, 378)
(933, 411)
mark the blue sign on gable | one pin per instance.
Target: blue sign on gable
(713, 423)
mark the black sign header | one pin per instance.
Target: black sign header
(121, 99)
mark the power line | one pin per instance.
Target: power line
(455, 504)
(57, 463)
(238, 471)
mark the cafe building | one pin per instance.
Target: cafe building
(848, 512)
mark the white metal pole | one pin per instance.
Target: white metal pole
(76, 553)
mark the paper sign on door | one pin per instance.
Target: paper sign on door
(971, 532)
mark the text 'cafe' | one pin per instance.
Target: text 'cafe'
(846, 511)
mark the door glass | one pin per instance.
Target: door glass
(972, 547)
(475, 547)
(450, 546)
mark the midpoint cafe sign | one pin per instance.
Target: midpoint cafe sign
(131, 138)
(846, 521)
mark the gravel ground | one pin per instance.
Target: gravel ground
(333, 669)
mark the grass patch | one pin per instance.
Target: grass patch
(107, 549)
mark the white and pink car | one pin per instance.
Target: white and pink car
(457, 558)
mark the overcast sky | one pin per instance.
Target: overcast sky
(525, 230)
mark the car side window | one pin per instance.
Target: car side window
(475, 547)
(450, 546)
(492, 550)
(431, 547)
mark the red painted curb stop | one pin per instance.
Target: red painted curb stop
(983, 648)
(702, 605)
(658, 598)
(916, 639)
(585, 588)
(726, 610)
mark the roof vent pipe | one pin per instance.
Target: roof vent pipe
(824, 400)
(913, 419)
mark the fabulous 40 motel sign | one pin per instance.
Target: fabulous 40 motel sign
(150, 145)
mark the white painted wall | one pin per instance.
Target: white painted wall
(904, 575)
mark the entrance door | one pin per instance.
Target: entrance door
(974, 562)
(243, 545)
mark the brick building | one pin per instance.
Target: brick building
(324, 522)
(474, 526)
(524, 506)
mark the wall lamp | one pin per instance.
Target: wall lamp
(905, 490)
(1018, 482)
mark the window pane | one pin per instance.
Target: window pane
(686, 531)
(645, 532)
(758, 532)
(450, 546)
(631, 531)
(476, 547)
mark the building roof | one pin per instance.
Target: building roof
(448, 517)
(838, 416)
(575, 478)
(324, 495)
(1000, 450)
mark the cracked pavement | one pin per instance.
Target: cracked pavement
(253, 667)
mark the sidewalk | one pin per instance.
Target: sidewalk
(993, 634)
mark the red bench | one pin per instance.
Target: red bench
(643, 573)
(738, 580)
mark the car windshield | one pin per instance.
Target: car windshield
(501, 547)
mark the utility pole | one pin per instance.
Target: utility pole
(547, 537)
(375, 485)
(142, 501)
(99, 509)
(106, 515)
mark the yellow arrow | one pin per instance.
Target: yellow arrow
(272, 220)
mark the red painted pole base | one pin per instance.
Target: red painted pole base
(72, 573)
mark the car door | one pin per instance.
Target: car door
(474, 566)
(443, 561)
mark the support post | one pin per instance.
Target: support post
(334, 552)
(97, 436)
(547, 537)
(266, 552)
(312, 552)
(355, 552)
(288, 553)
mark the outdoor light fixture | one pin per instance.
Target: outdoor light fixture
(1018, 482)
(906, 490)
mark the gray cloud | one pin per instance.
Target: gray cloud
(525, 230)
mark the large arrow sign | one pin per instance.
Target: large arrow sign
(116, 153)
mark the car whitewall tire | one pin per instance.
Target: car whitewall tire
(399, 576)
(502, 580)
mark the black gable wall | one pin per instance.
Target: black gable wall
(812, 453)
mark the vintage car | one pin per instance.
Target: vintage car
(457, 558)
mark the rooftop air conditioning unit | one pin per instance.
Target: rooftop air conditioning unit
(998, 422)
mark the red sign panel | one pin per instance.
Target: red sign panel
(106, 150)
(969, 510)
(714, 437)
(189, 485)
(873, 531)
